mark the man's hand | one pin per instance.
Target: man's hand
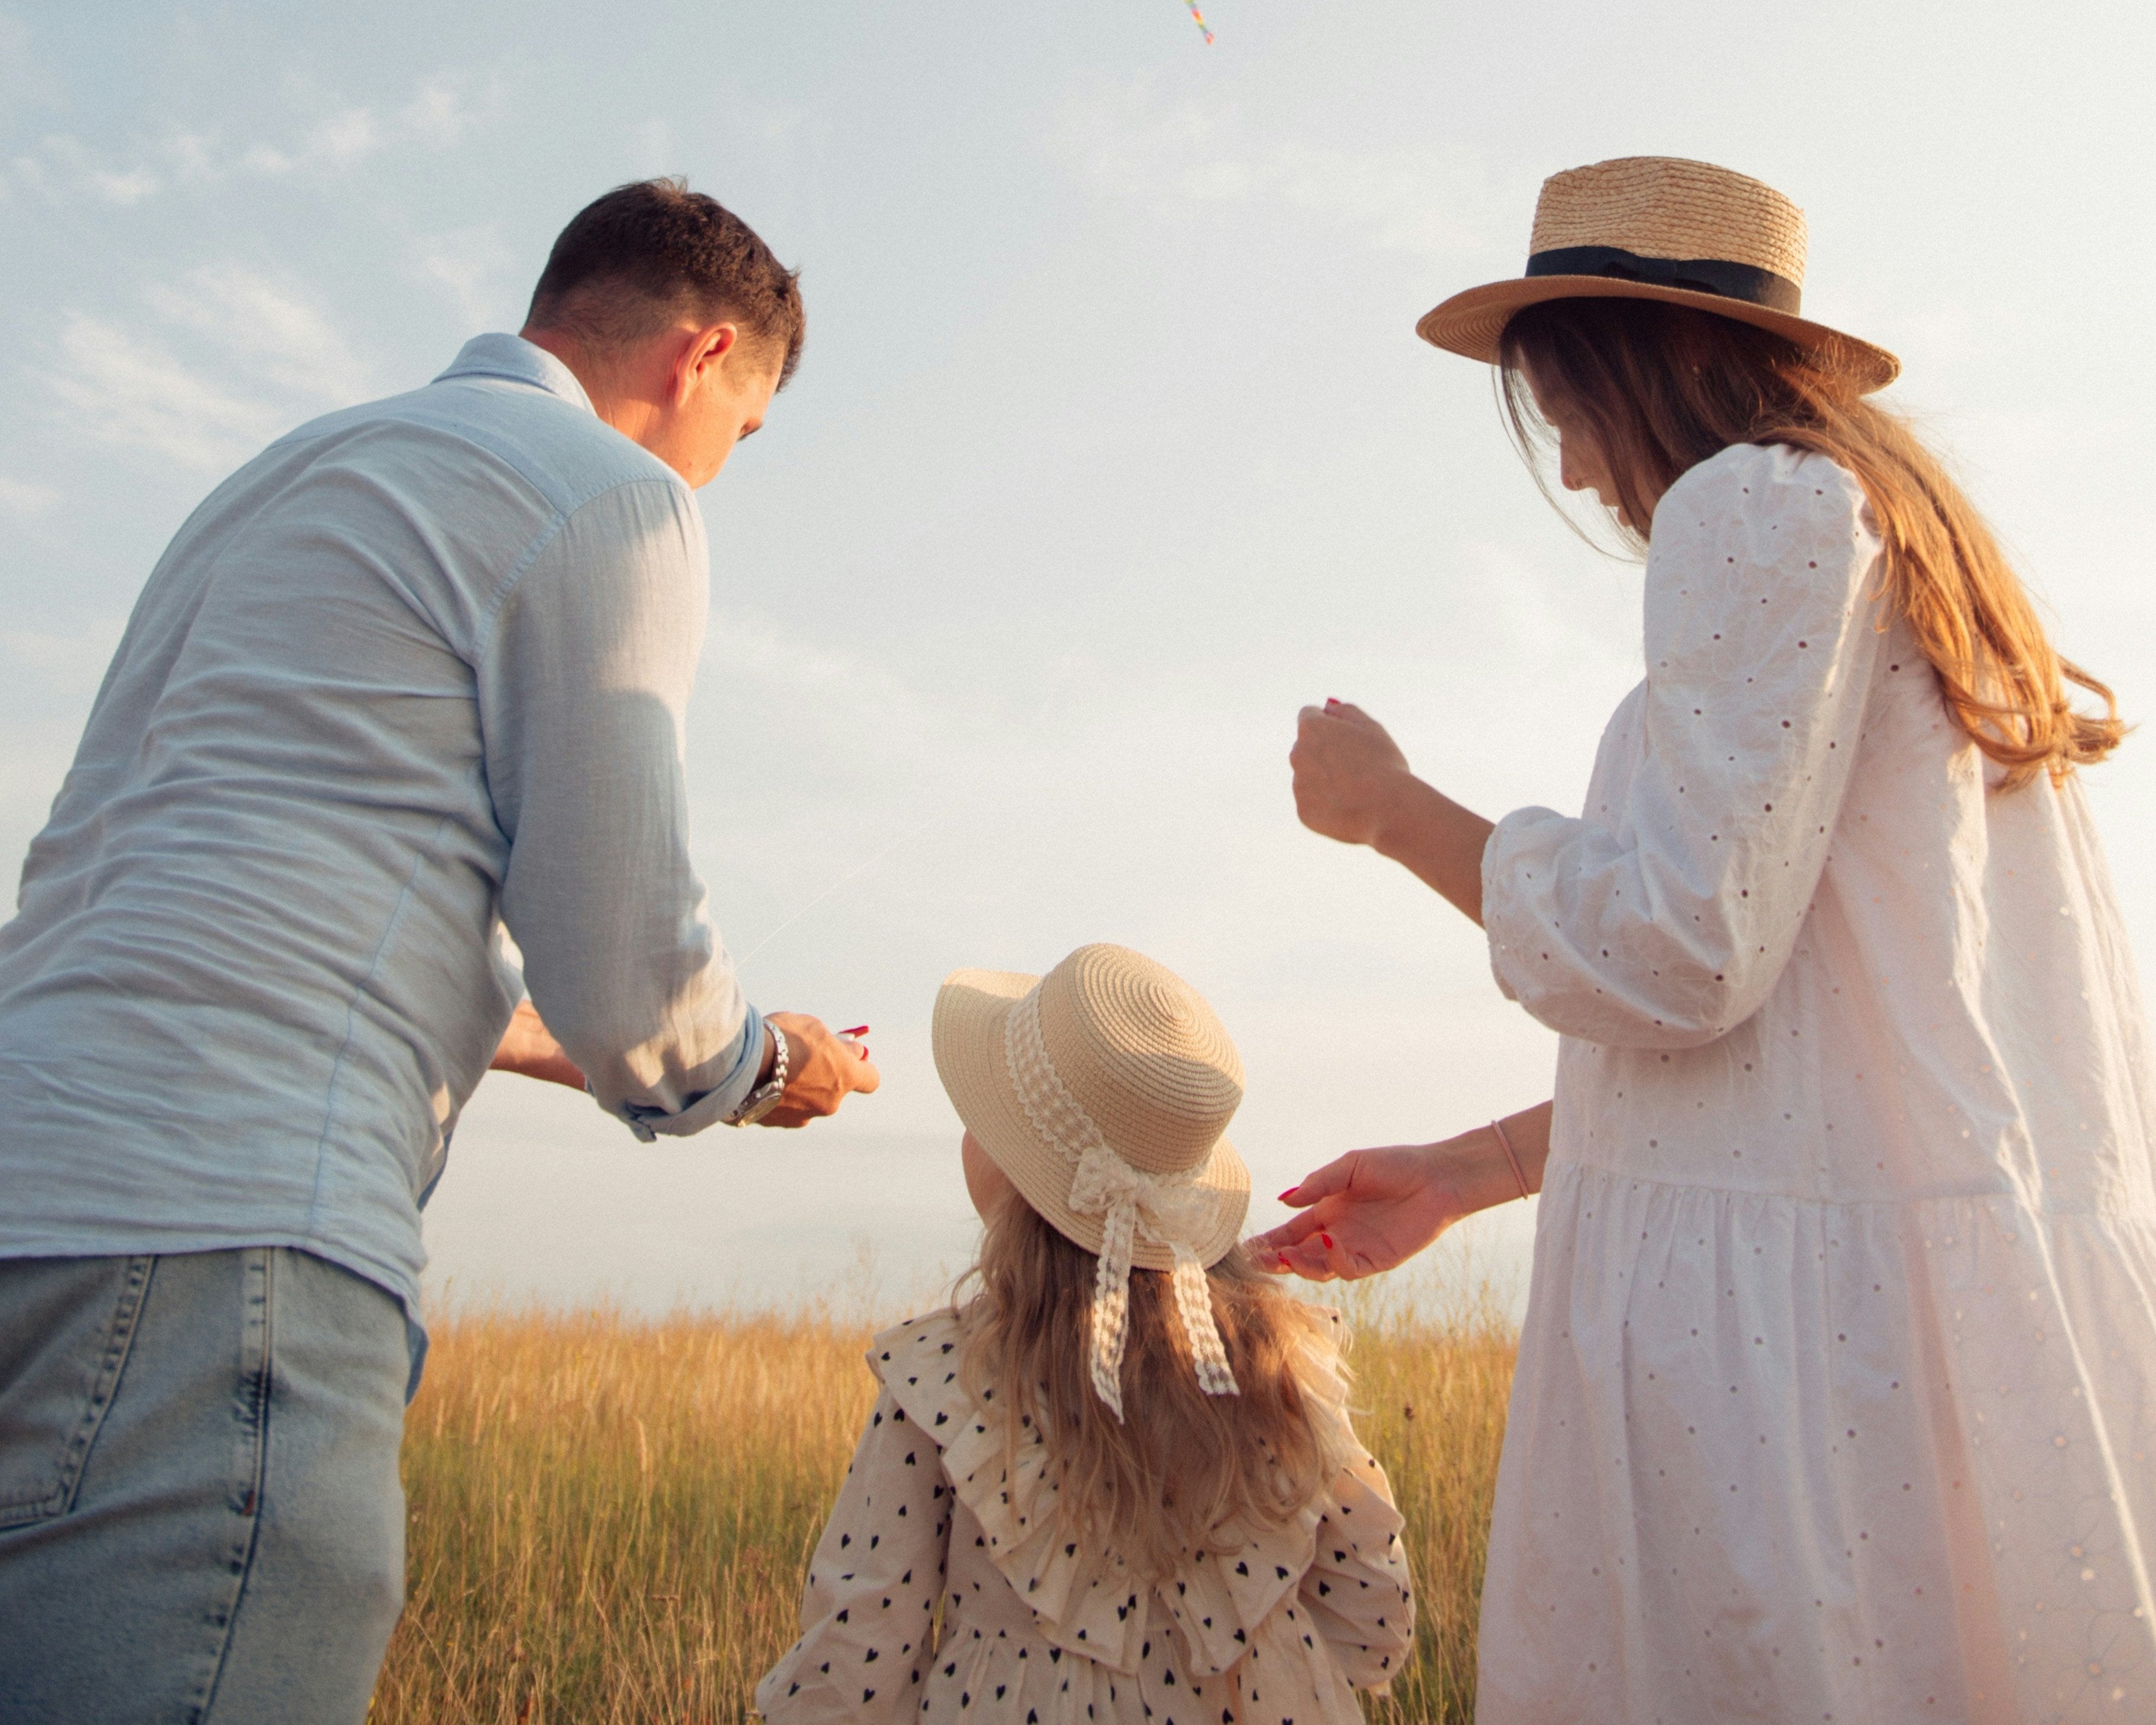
(822, 1071)
(529, 1047)
(1349, 773)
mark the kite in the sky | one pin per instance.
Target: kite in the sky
(1200, 16)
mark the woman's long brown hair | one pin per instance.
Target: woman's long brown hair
(1184, 1471)
(1660, 387)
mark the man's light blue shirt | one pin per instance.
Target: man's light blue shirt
(416, 672)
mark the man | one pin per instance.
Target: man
(416, 672)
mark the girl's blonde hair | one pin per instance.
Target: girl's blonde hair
(1660, 387)
(1186, 1470)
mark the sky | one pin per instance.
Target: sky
(1112, 445)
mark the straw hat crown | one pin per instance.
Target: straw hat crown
(1110, 1053)
(1664, 207)
(1144, 1054)
(1660, 227)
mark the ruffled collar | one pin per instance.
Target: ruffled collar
(1085, 1598)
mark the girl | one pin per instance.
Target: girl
(1837, 1394)
(1124, 1465)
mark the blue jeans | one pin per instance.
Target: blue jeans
(200, 1516)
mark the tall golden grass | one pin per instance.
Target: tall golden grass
(610, 1516)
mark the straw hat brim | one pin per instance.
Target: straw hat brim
(1471, 324)
(971, 1009)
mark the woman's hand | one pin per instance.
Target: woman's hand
(1352, 784)
(1374, 1209)
(1349, 773)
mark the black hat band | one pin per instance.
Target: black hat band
(1699, 275)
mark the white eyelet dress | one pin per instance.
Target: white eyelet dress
(1041, 1628)
(1836, 1398)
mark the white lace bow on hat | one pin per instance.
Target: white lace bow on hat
(1170, 1209)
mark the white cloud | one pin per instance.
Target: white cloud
(274, 333)
(441, 112)
(347, 138)
(25, 500)
(126, 388)
(438, 115)
(753, 647)
(222, 362)
(27, 82)
(469, 265)
(63, 166)
(1176, 156)
(70, 662)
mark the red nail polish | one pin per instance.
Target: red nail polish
(858, 1030)
(1287, 1194)
(1327, 1238)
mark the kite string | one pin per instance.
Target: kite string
(845, 880)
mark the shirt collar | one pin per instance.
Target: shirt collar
(513, 357)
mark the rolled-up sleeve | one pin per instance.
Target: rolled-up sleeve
(584, 677)
(1666, 921)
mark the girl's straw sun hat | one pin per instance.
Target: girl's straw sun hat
(1660, 228)
(1103, 1091)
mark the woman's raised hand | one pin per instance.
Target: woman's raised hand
(1349, 773)
(1352, 784)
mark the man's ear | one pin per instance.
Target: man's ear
(701, 354)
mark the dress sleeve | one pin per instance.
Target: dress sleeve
(873, 1584)
(1357, 1589)
(584, 677)
(1664, 922)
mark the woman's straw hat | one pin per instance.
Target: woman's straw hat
(1659, 228)
(1103, 1091)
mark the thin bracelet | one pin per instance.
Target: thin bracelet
(1504, 1142)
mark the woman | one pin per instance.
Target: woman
(1836, 1396)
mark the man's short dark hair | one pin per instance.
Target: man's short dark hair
(634, 260)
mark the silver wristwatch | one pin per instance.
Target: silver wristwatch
(761, 1100)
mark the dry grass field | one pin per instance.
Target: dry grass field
(610, 1516)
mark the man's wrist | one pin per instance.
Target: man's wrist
(770, 1087)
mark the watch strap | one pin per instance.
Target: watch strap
(766, 1096)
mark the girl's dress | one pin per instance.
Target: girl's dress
(1049, 1629)
(1837, 1394)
